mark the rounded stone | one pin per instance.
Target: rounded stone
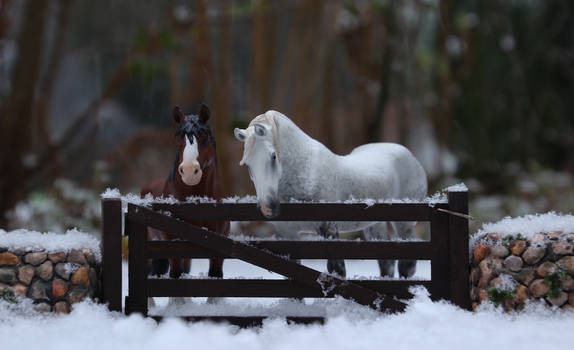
(559, 300)
(77, 257)
(533, 255)
(9, 259)
(480, 252)
(89, 255)
(521, 293)
(538, 238)
(42, 307)
(26, 274)
(525, 276)
(474, 294)
(494, 236)
(483, 281)
(490, 266)
(496, 283)
(474, 275)
(499, 251)
(482, 295)
(45, 271)
(20, 290)
(546, 268)
(81, 276)
(517, 246)
(513, 263)
(59, 288)
(62, 271)
(62, 307)
(562, 248)
(568, 283)
(77, 295)
(539, 288)
(555, 235)
(57, 257)
(35, 258)
(567, 263)
(39, 290)
(8, 275)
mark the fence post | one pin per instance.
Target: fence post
(440, 286)
(136, 301)
(112, 253)
(459, 254)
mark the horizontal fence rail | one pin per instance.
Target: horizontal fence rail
(303, 211)
(447, 250)
(302, 249)
(266, 288)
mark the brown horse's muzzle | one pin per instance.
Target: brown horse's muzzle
(190, 173)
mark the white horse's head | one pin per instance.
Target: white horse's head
(262, 158)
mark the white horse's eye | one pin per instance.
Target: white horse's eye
(273, 157)
(259, 130)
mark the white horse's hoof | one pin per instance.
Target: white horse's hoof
(150, 303)
(213, 300)
(177, 301)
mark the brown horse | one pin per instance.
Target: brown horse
(194, 173)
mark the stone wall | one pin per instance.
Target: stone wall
(54, 281)
(511, 270)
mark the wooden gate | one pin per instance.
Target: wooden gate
(447, 250)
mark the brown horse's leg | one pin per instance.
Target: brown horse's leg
(216, 268)
(177, 267)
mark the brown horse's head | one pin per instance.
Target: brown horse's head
(196, 150)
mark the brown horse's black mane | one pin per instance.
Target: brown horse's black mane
(191, 126)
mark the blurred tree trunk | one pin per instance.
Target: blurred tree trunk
(5, 8)
(16, 123)
(445, 85)
(200, 54)
(223, 98)
(262, 59)
(377, 120)
(46, 85)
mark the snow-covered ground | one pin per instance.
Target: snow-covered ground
(425, 324)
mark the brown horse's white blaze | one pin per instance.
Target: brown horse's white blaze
(189, 169)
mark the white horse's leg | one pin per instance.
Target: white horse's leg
(150, 303)
(406, 230)
(379, 231)
(329, 230)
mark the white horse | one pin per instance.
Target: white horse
(285, 163)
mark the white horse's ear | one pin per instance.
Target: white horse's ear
(240, 134)
(260, 130)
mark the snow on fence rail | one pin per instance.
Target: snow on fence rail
(447, 250)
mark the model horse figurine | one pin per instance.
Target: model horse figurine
(194, 173)
(285, 163)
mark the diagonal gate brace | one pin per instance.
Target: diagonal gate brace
(329, 284)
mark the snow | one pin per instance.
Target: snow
(529, 225)
(50, 242)
(439, 197)
(425, 324)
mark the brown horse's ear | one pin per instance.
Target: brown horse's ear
(204, 113)
(178, 117)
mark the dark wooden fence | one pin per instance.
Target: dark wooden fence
(447, 250)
